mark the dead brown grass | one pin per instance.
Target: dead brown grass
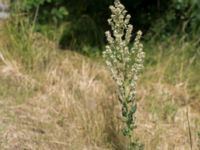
(72, 105)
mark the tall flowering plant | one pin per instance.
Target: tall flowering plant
(125, 64)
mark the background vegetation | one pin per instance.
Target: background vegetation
(55, 98)
(85, 20)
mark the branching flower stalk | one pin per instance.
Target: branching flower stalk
(125, 64)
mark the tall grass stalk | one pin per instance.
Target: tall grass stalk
(125, 64)
(199, 139)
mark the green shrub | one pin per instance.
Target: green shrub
(84, 32)
(182, 18)
(86, 19)
(44, 11)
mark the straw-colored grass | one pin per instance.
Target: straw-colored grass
(69, 102)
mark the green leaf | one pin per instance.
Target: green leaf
(134, 108)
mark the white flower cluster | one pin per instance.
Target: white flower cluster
(125, 63)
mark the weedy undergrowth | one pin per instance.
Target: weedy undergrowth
(125, 64)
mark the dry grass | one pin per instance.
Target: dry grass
(70, 109)
(71, 104)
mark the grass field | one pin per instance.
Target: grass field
(61, 100)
